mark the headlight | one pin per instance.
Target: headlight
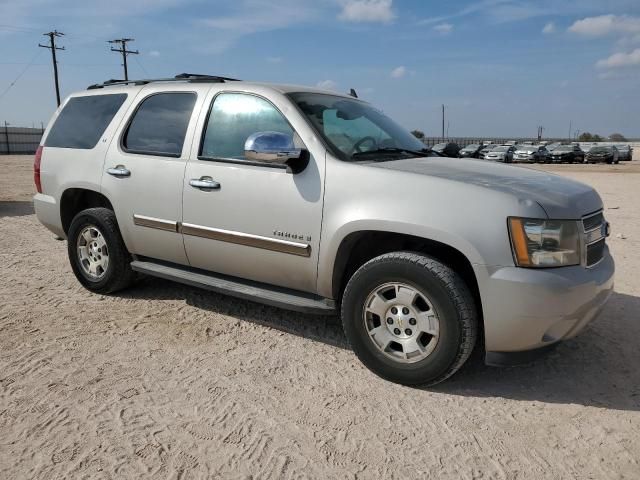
(544, 243)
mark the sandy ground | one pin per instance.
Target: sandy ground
(167, 381)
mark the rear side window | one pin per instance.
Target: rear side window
(83, 120)
(159, 125)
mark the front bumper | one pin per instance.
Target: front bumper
(527, 309)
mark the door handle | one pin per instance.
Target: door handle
(120, 171)
(204, 183)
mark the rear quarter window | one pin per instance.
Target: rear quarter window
(160, 123)
(83, 120)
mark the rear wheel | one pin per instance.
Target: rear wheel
(409, 318)
(98, 256)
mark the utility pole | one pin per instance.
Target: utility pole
(443, 121)
(123, 50)
(52, 46)
(540, 129)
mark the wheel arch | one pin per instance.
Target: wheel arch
(359, 247)
(74, 200)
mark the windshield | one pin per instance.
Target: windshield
(471, 147)
(352, 127)
(565, 148)
(501, 149)
(601, 149)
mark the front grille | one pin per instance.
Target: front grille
(592, 222)
(595, 251)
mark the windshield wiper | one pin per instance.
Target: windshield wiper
(425, 152)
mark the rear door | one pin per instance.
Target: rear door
(144, 170)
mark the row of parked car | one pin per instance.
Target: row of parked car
(537, 153)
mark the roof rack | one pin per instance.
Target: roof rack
(183, 77)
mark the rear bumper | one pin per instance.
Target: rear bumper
(48, 212)
(527, 309)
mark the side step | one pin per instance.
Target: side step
(245, 289)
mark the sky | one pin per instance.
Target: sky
(501, 67)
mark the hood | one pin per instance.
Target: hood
(560, 197)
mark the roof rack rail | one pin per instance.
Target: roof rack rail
(182, 77)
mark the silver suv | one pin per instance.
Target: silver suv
(318, 202)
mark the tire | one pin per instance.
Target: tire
(441, 293)
(101, 226)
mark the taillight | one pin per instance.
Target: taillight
(36, 169)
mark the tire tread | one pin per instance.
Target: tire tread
(457, 288)
(122, 276)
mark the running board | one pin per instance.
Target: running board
(245, 289)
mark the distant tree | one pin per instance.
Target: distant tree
(589, 137)
(617, 137)
(418, 134)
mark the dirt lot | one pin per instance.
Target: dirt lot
(167, 381)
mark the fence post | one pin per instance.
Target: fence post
(6, 135)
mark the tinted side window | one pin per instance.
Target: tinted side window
(160, 123)
(235, 116)
(83, 120)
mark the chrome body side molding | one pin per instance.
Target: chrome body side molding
(157, 223)
(229, 236)
(257, 241)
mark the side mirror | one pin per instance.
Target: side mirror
(271, 147)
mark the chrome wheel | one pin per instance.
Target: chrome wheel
(401, 322)
(93, 253)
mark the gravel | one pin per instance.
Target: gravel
(168, 381)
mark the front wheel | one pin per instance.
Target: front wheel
(98, 256)
(409, 318)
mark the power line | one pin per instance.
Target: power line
(35, 57)
(52, 46)
(141, 66)
(13, 27)
(124, 51)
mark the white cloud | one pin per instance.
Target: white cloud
(361, 11)
(249, 17)
(621, 59)
(327, 84)
(443, 28)
(154, 53)
(398, 72)
(549, 28)
(606, 25)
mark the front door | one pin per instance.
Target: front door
(246, 219)
(144, 172)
